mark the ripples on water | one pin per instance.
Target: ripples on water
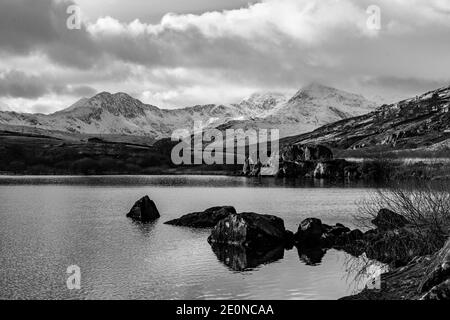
(49, 223)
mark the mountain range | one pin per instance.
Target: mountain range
(120, 114)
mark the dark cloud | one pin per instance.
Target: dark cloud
(77, 91)
(28, 26)
(411, 85)
(17, 84)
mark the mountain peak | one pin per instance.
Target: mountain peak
(319, 91)
(262, 101)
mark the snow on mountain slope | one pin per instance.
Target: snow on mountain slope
(119, 113)
(310, 108)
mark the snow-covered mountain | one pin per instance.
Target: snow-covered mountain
(310, 108)
(119, 113)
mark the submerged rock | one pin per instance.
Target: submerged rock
(205, 219)
(144, 210)
(389, 220)
(250, 230)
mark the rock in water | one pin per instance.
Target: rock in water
(250, 230)
(206, 219)
(309, 232)
(144, 210)
(389, 220)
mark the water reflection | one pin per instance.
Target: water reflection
(239, 258)
(178, 181)
(311, 256)
(358, 269)
(144, 228)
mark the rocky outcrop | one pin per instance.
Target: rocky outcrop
(250, 230)
(297, 153)
(144, 210)
(416, 122)
(389, 220)
(331, 169)
(205, 219)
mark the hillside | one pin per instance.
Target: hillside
(420, 122)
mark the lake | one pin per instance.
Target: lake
(50, 223)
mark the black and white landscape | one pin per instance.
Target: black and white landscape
(352, 202)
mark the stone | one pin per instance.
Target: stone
(249, 230)
(205, 219)
(389, 220)
(309, 232)
(338, 230)
(144, 210)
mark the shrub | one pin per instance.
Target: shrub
(425, 205)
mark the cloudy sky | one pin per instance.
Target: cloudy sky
(175, 53)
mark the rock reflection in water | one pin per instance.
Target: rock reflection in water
(311, 256)
(238, 258)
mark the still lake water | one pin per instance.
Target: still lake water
(50, 223)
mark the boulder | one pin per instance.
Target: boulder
(205, 219)
(309, 232)
(389, 220)
(144, 210)
(250, 230)
(338, 230)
